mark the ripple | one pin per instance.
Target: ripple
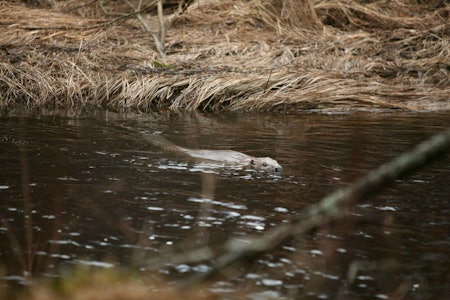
(281, 209)
(155, 208)
(214, 202)
(271, 282)
(385, 208)
(94, 263)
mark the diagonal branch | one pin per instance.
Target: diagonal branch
(332, 207)
(159, 40)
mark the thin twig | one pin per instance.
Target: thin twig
(162, 27)
(158, 40)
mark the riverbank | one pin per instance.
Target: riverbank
(227, 54)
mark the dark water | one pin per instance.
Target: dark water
(83, 190)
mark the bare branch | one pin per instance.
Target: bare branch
(162, 27)
(159, 40)
(333, 207)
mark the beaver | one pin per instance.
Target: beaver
(229, 157)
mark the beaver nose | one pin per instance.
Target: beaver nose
(278, 169)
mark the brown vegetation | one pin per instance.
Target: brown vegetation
(235, 54)
(97, 284)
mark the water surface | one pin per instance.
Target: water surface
(81, 189)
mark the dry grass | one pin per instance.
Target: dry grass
(235, 54)
(97, 284)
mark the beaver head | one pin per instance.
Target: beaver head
(266, 164)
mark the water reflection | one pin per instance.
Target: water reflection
(83, 190)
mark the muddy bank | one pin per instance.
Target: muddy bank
(233, 54)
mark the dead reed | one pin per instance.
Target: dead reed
(233, 54)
